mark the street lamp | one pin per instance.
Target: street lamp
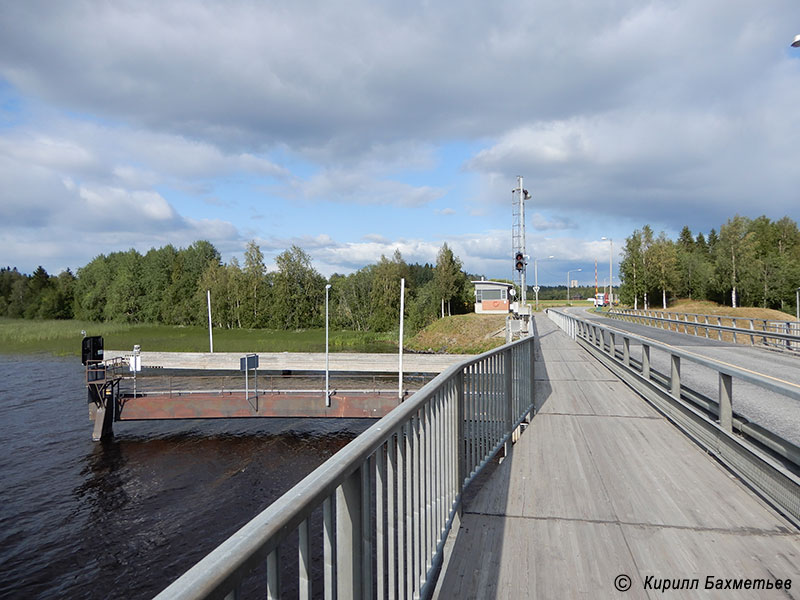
(797, 297)
(796, 42)
(610, 268)
(568, 272)
(536, 279)
(327, 363)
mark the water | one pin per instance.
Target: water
(124, 518)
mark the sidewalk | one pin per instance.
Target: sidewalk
(601, 487)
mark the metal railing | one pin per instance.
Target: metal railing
(388, 499)
(769, 463)
(780, 334)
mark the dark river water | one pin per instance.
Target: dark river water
(124, 518)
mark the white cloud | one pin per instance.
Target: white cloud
(670, 112)
(355, 187)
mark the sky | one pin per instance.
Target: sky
(359, 127)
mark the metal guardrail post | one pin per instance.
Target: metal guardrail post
(626, 351)
(646, 361)
(726, 402)
(675, 375)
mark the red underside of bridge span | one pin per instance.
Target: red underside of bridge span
(267, 404)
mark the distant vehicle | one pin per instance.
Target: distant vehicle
(601, 299)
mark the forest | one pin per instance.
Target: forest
(169, 286)
(749, 262)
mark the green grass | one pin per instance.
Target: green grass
(22, 336)
(460, 334)
(563, 302)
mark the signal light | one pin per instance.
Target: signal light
(519, 261)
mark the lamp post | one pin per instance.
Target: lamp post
(610, 267)
(796, 42)
(568, 272)
(797, 299)
(327, 363)
(536, 279)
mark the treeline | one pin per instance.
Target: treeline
(168, 285)
(749, 262)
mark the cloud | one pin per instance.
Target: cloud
(668, 112)
(354, 187)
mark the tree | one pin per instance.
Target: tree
(254, 274)
(91, 287)
(423, 308)
(385, 292)
(733, 249)
(448, 277)
(298, 292)
(156, 277)
(663, 264)
(126, 292)
(57, 301)
(181, 305)
(632, 259)
(350, 299)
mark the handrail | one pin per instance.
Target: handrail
(767, 330)
(769, 463)
(389, 498)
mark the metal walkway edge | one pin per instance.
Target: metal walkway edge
(602, 493)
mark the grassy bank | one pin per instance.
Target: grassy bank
(460, 334)
(704, 307)
(22, 336)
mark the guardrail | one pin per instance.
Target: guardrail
(767, 462)
(780, 334)
(388, 499)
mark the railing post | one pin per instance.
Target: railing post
(726, 402)
(348, 538)
(461, 458)
(304, 561)
(626, 351)
(329, 548)
(675, 375)
(532, 379)
(509, 397)
(646, 361)
(273, 576)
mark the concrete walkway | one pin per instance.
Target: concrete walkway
(299, 361)
(600, 492)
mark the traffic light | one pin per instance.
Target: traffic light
(519, 261)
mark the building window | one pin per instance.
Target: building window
(490, 294)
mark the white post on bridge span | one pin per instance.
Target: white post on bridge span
(210, 334)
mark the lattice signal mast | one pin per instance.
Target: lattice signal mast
(518, 197)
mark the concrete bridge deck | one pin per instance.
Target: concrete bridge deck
(350, 362)
(601, 487)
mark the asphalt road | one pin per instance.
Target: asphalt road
(772, 411)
